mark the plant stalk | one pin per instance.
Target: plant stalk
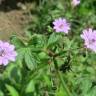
(62, 80)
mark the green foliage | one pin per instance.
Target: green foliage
(30, 87)
(30, 59)
(54, 39)
(12, 90)
(50, 63)
(1, 93)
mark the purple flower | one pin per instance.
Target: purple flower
(7, 53)
(75, 2)
(89, 36)
(61, 25)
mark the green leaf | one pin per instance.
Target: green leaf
(86, 85)
(1, 93)
(30, 59)
(30, 87)
(21, 52)
(20, 57)
(43, 55)
(17, 42)
(13, 73)
(38, 41)
(47, 80)
(54, 39)
(92, 92)
(12, 90)
(61, 92)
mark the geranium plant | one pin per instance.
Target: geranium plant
(57, 56)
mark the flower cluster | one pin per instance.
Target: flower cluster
(7, 53)
(89, 35)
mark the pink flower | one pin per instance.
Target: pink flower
(75, 2)
(89, 36)
(7, 53)
(61, 25)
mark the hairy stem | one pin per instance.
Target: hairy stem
(65, 87)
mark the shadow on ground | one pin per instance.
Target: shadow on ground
(8, 5)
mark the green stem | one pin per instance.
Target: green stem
(64, 84)
(62, 80)
(68, 50)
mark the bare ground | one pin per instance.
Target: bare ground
(12, 22)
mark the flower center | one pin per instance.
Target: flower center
(61, 26)
(92, 41)
(2, 52)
